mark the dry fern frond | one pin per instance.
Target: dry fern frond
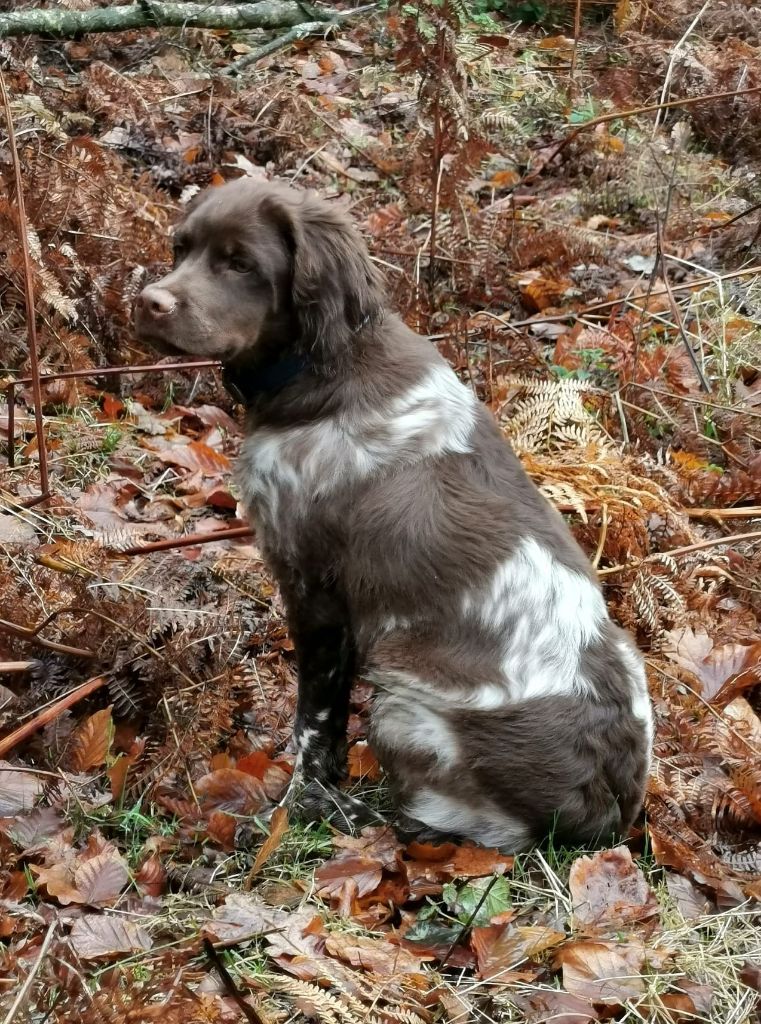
(327, 1007)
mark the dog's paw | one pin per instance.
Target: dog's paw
(324, 802)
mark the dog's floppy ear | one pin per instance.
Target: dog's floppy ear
(336, 291)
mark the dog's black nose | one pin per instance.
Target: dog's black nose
(155, 301)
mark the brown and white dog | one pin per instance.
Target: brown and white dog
(408, 542)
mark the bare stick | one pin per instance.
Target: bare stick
(192, 538)
(31, 323)
(713, 542)
(31, 635)
(18, 1002)
(18, 666)
(7, 743)
(619, 115)
(672, 61)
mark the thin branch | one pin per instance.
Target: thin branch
(19, 666)
(701, 545)
(672, 61)
(232, 990)
(190, 540)
(306, 28)
(31, 635)
(619, 115)
(31, 322)
(7, 743)
(18, 1002)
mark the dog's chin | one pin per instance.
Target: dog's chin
(162, 346)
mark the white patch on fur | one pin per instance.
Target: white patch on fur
(415, 691)
(641, 706)
(546, 614)
(484, 824)
(399, 725)
(303, 741)
(323, 716)
(435, 417)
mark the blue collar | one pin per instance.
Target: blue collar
(246, 384)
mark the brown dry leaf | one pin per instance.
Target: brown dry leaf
(691, 902)
(107, 937)
(499, 948)
(100, 879)
(278, 828)
(151, 876)
(231, 790)
(713, 666)
(363, 764)
(375, 956)
(548, 1006)
(59, 882)
(29, 830)
(18, 789)
(195, 456)
(221, 828)
(332, 876)
(91, 741)
(609, 891)
(688, 1001)
(604, 972)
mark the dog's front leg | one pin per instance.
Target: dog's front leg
(326, 659)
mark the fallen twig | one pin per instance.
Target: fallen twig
(31, 635)
(306, 28)
(701, 545)
(31, 321)
(749, 512)
(7, 743)
(215, 960)
(190, 540)
(18, 1002)
(153, 14)
(620, 115)
(19, 666)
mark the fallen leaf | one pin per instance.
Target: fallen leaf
(363, 764)
(469, 905)
(375, 956)
(32, 828)
(548, 1006)
(100, 879)
(151, 876)
(107, 937)
(365, 872)
(195, 456)
(609, 892)
(604, 972)
(501, 948)
(278, 828)
(713, 666)
(231, 790)
(18, 789)
(90, 742)
(687, 1000)
(691, 902)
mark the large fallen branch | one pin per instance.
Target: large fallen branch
(153, 14)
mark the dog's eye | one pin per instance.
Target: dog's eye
(240, 264)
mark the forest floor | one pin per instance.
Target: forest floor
(592, 270)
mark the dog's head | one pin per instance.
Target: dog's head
(261, 265)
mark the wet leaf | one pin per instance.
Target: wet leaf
(464, 901)
(18, 789)
(609, 892)
(230, 790)
(91, 741)
(107, 937)
(375, 956)
(604, 972)
(500, 948)
(547, 1006)
(100, 879)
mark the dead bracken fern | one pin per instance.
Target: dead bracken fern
(549, 414)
